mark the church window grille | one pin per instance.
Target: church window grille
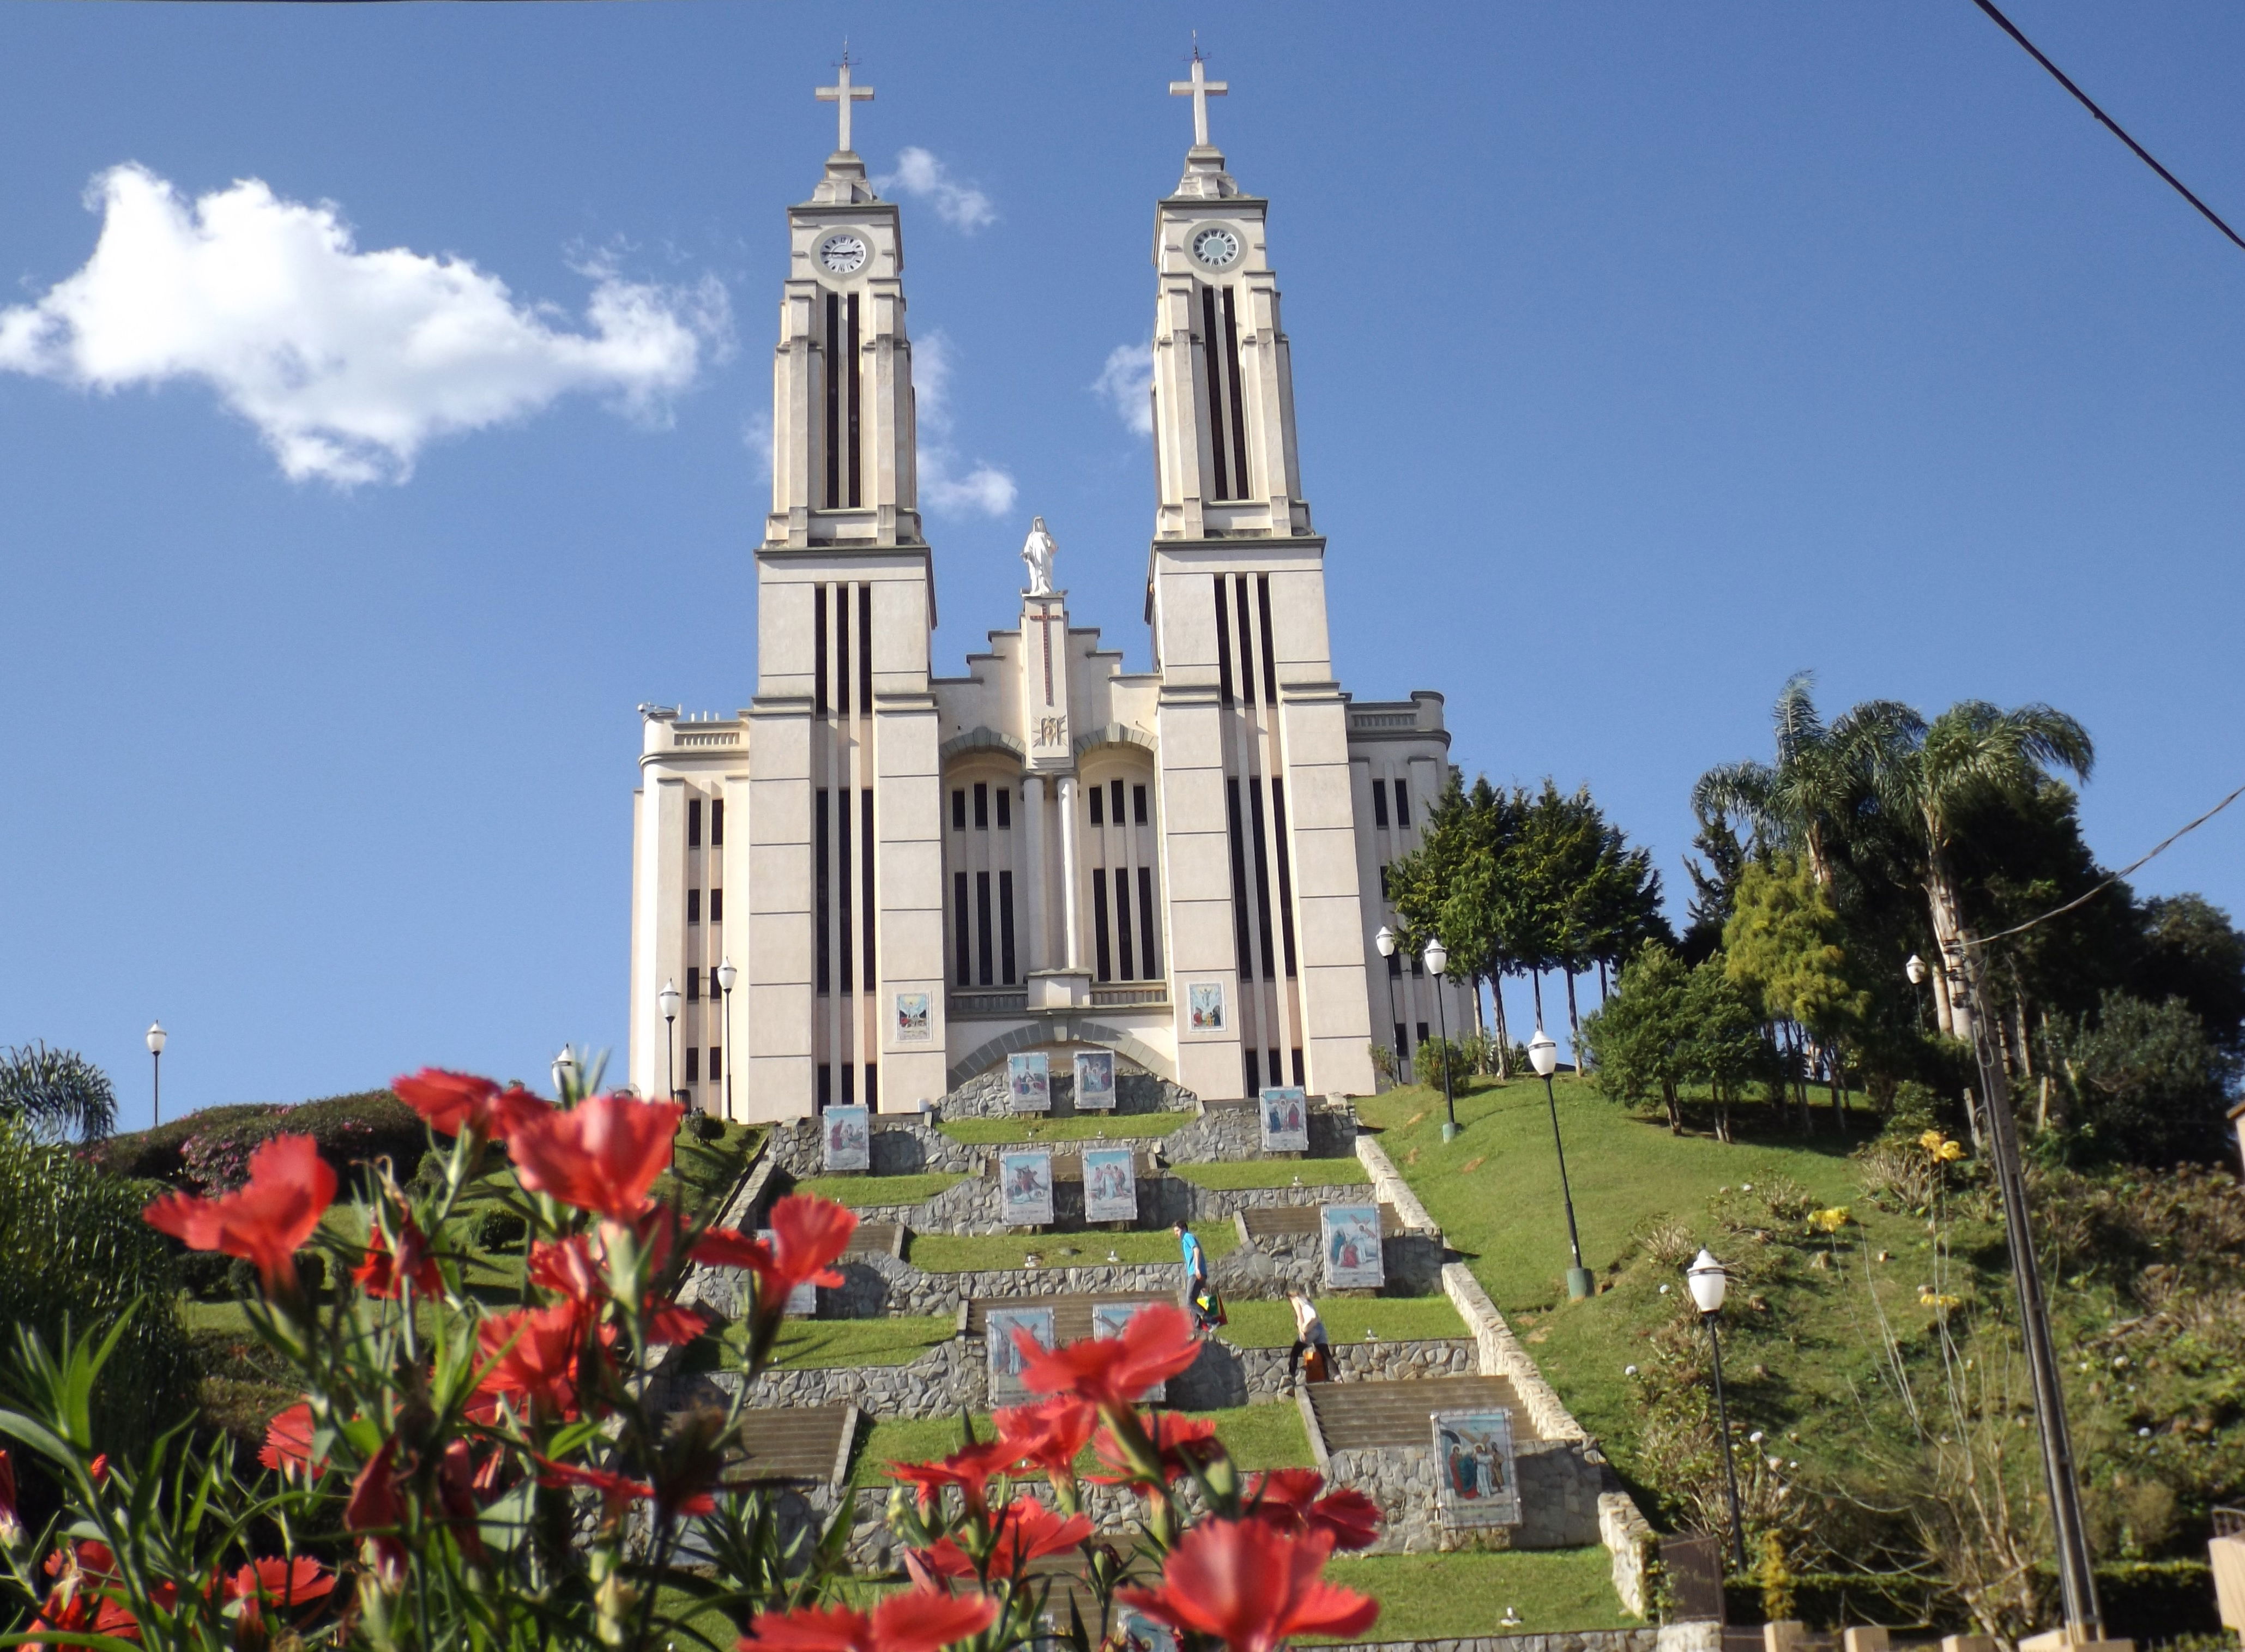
(819, 649)
(1246, 647)
(1219, 450)
(1232, 384)
(1137, 804)
(1251, 1064)
(865, 821)
(693, 905)
(1286, 871)
(693, 986)
(693, 1063)
(1149, 970)
(1384, 894)
(1005, 808)
(1099, 948)
(1263, 611)
(825, 1086)
(856, 381)
(864, 650)
(717, 823)
(1093, 796)
(822, 853)
(1262, 874)
(692, 823)
(716, 1063)
(982, 927)
(1402, 807)
(960, 941)
(1005, 974)
(1115, 796)
(842, 886)
(982, 805)
(1227, 431)
(717, 906)
(1123, 920)
(1380, 819)
(1223, 642)
(959, 809)
(1299, 1082)
(841, 650)
(844, 412)
(1240, 956)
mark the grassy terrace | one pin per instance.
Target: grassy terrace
(1029, 1130)
(969, 1253)
(1256, 1324)
(808, 1344)
(1257, 1436)
(858, 1192)
(1440, 1597)
(1229, 1175)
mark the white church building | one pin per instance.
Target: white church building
(875, 882)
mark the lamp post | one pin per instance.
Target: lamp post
(564, 1074)
(157, 1037)
(726, 976)
(668, 999)
(1916, 970)
(1386, 941)
(1544, 1056)
(1708, 1283)
(1438, 956)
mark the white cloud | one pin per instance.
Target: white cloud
(346, 362)
(1127, 382)
(920, 175)
(945, 487)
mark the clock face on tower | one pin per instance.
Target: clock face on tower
(1216, 247)
(842, 254)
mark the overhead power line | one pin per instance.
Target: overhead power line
(2110, 124)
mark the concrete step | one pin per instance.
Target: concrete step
(1071, 1313)
(798, 1443)
(1279, 1221)
(1355, 1416)
(877, 1238)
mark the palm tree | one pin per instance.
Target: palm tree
(53, 1092)
(1926, 776)
(1806, 798)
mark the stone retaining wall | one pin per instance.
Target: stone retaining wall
(1559, 1492)
(1136, 1090)
(1277, 1263)
(897, 1144)
(875, 1287)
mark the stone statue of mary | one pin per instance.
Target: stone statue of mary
(1037, 551)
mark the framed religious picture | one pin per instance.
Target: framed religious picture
(1477, 1479)
(1204, 1006)
(803, 1301)
(1095, 1080)
(1025, 1187)
(1108, 1319)
(1028, 1082)
(849, 1139)
(1285, 1121)
(1110, 1185)
(1349, 1235)
(1135, 1632)
(913, 1026)
(999, 1325)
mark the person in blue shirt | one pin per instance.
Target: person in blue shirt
(1200, 1294)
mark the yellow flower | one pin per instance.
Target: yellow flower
(1950, 1152)
(1938, 1300)
(1930, 1141)
(1830, 1221)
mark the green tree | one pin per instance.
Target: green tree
(1640, 1038)
(1783, 945)
(2193, 952)
(53, 1093)
(2151, 1088)
(1726, 1049)
(1808, 798)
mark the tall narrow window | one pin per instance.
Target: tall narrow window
(851, 379)
(865, 653)
(1299, 1082)
(1380, 805)
(1275, 1079)
(841, 650)
(866, 825)
(849, 1089)
(1270, 655)
(959, 929)
(1137, 804)
(1222, 642)
(1114, 800)
(982, 927)
(833, 492)
(1262, 875)
(872, 1087)
(1005, 808)
(1423, 1032)
(842, 887)
(1148, 968)
(825, 1086)
(1212, 353)
(692, 823)
(716, 1063)
(822, 851)
(959, 809)
(1286, 871)
(1395, 963)
(693, 1063)
(1006, 926)
(1242, 958)
(717, 823)
(1099, 948)
(1403, 806)
(693, 905)
(717, 906)
(1094, 798)
(1402, 1041)
(982, 805)
(1238, 415)
(1419, 965)
(818, 649)
(1123, 920)
(1246, 647)
(1248, 1065)
(693, 986)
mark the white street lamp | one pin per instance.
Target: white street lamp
(157, 1038)
(668, 999)
(1438, 958)
(726, 976)
(1386, 941)
(1544, 1056)
(1708, 1283)
(565, 1073)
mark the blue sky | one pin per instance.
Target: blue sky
(1645, 354)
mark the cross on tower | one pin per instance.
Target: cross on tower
(845, 94)
(1200, 89)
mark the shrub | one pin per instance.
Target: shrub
(707, 1127)
(1436, 1055)
(500, 1230)
(210, 1151)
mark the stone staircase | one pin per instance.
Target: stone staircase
(802, 1443)
(1071, 1311)
(1372, 1416)
(1294, 1221)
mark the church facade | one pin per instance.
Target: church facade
(874, 883)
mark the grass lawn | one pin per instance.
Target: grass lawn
(859, 1191)
(983, 1133)
(809, 1344)
(1389, 1318)
(965, 1253)
(1428, 1597)
(1275, 1172)
(1257, 1436)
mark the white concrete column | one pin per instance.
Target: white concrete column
(1033, 875)
(1069, 952)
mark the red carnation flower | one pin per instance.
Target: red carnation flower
(1253, 1586)
(534, 1353)
(1111, 1372)
(919, 1620)
(265, 1220)
(567, 1266)
(616, 1491)
(287, 1447)
(277, 1582)
(1287, 1499)
(1182, 1443)
(458, 1102)
(809, 1235)
(1027, 1531)
(602, 1154)
(1051, 1434)
(381, 1271)
(969, 1469)
(376, 1510)
(12, 1521)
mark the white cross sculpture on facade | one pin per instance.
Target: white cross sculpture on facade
(846, 94)
(1200, 89)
